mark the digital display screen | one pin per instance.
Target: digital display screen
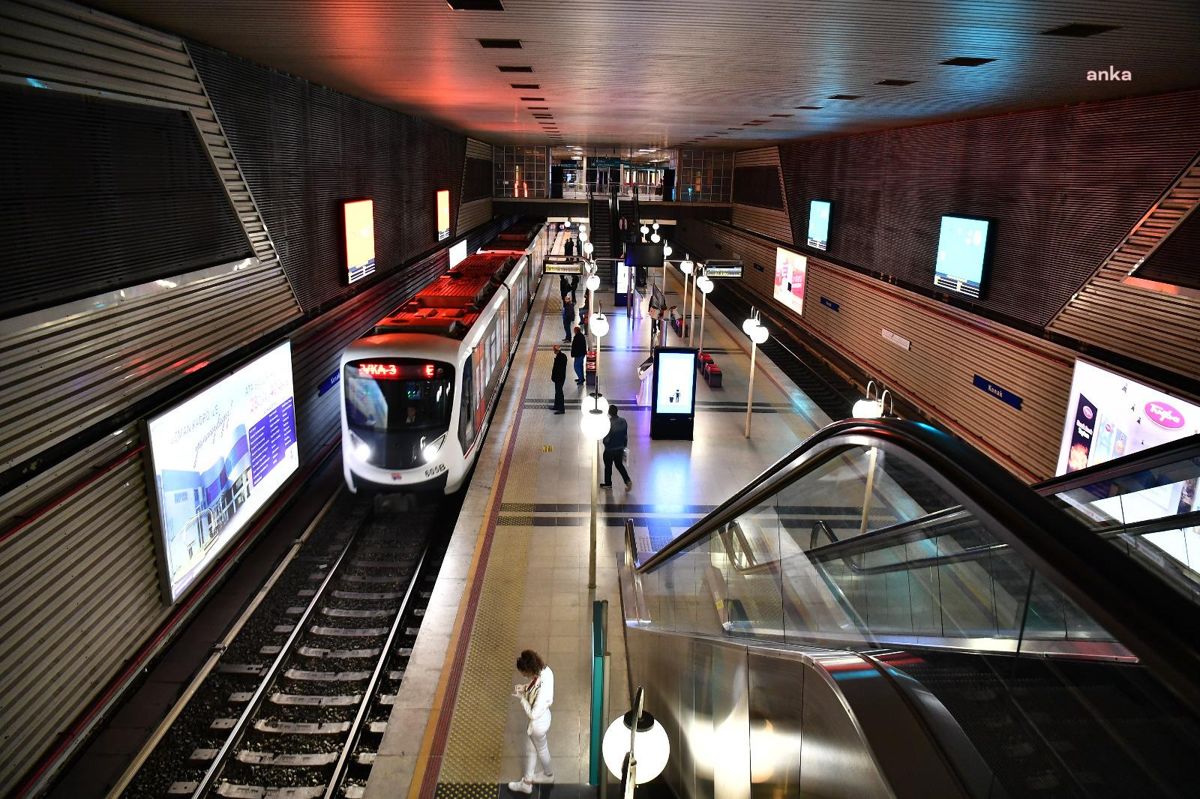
(443, 214)
(790, 269)
(389, 370)
(818, 224)
(723, 269)
(676, 382)
(623, 278)
(359, 220)
(961, 253)
(457, 253)
(641, 254)
(217, 459)
(1109, 415)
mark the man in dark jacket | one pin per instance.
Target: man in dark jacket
(614, 448)
(579, 352)
(568, 316)
(558, 376)
(569, 247)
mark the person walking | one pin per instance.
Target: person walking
(614, 448)
(579, 352)
(568, 316)
(536, 697)
(558, 376)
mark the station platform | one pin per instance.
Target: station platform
(515, 575)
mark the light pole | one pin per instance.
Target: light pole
(757, 332)
(595, 427)
(692, 310)
(686, 267)
(872, 406)
(705, 284)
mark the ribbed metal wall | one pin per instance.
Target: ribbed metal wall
(1174, 262)
(134, 200)
(1125, 315)
(1065, 185)
(476, 208)
(774, 222)
(948, 348)
(304, 149)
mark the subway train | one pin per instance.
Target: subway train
(418, 390)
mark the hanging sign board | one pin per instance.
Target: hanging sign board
(723, 269)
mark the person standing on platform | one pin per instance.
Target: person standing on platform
(568, 317)
(536, 697)
(579, 352)
(614, 448)
(564, 286)
(558, 376)
(569, 247)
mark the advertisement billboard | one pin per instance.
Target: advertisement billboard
(790, 269)
(818, 224)
(216, 459)
(962, 254)
(673, 401)
(457, 253)
(443, 214)
(1109, 415)
(358, 220)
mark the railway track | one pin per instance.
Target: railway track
(298, 704)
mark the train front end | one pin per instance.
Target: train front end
(396, 421)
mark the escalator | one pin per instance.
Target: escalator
(886, 612)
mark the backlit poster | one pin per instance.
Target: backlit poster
(961, 254)
(217, 459)
(818, 224)
(676, 382)
(790, 269)
(1109, 415)
(358, 218)
(443, 214)
(457, 253)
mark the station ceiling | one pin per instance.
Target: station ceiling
(725, 73)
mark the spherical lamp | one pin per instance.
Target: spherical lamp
(655, 226)
(593, 282)
(567, 223)
(651, 747)
(583, 235)
(599, 325)
(654, 237)
(667, 251)
(749, 325)
(686, 266)
(868, 409)
(759, 333)
(587, 248)
(704, 283)
(644, 230)
(594, 423)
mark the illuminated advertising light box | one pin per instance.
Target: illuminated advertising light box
(623, 278)
(1109, 415)
(818, 224)
(358, 219)
(673, 399)
(457, 253)
(964, 245)
(443, 214)
(216, 460)
(790, 269)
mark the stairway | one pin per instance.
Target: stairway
(600, 230)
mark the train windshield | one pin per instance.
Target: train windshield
(390, 395)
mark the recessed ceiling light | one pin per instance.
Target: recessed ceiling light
(1079, 30)
(895, 82)
(526, 85)
(500, 44)
(966, 61)
(543, 116)
(475, 5)
(808, 107)
(844, 96)
(515, 69)
(539, 108)
(782, 116)
(533, 99)
(732, 128)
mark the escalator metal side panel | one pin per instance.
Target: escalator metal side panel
(749, 721)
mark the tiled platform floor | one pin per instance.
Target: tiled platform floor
(516, 574)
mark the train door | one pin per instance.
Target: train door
(466, 408)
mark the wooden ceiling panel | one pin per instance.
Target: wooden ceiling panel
(666, 71)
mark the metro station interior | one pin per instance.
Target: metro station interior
(488, 398)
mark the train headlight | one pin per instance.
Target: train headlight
(430, 450)
(362, 451)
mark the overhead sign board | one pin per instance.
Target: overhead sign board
(723, 269)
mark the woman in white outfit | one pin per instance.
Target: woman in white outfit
(536, 697)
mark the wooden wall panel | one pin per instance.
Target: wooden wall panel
(771, 222)
(948, 347)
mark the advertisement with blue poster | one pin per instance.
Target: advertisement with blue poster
(217, 459)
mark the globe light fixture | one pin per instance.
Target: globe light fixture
(599, 325)
(667, 251)
(654, 237)
(759, 334)
(648, 749)
(872, 406)
(655, 226)
(593, 282)
(583, 235)
(644, 230)
(588, 248)
(594, 423)
(596, 401)
(686, 266)
(567, 223)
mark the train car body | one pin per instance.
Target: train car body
(417, 392)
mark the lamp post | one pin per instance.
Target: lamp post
(595, 427)
(753, 328)
(873, 406)
(692, 309)
(636, 747)
(686, 266)
(705, 284)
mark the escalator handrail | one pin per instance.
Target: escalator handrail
(1143, 460)
(1161, 628)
